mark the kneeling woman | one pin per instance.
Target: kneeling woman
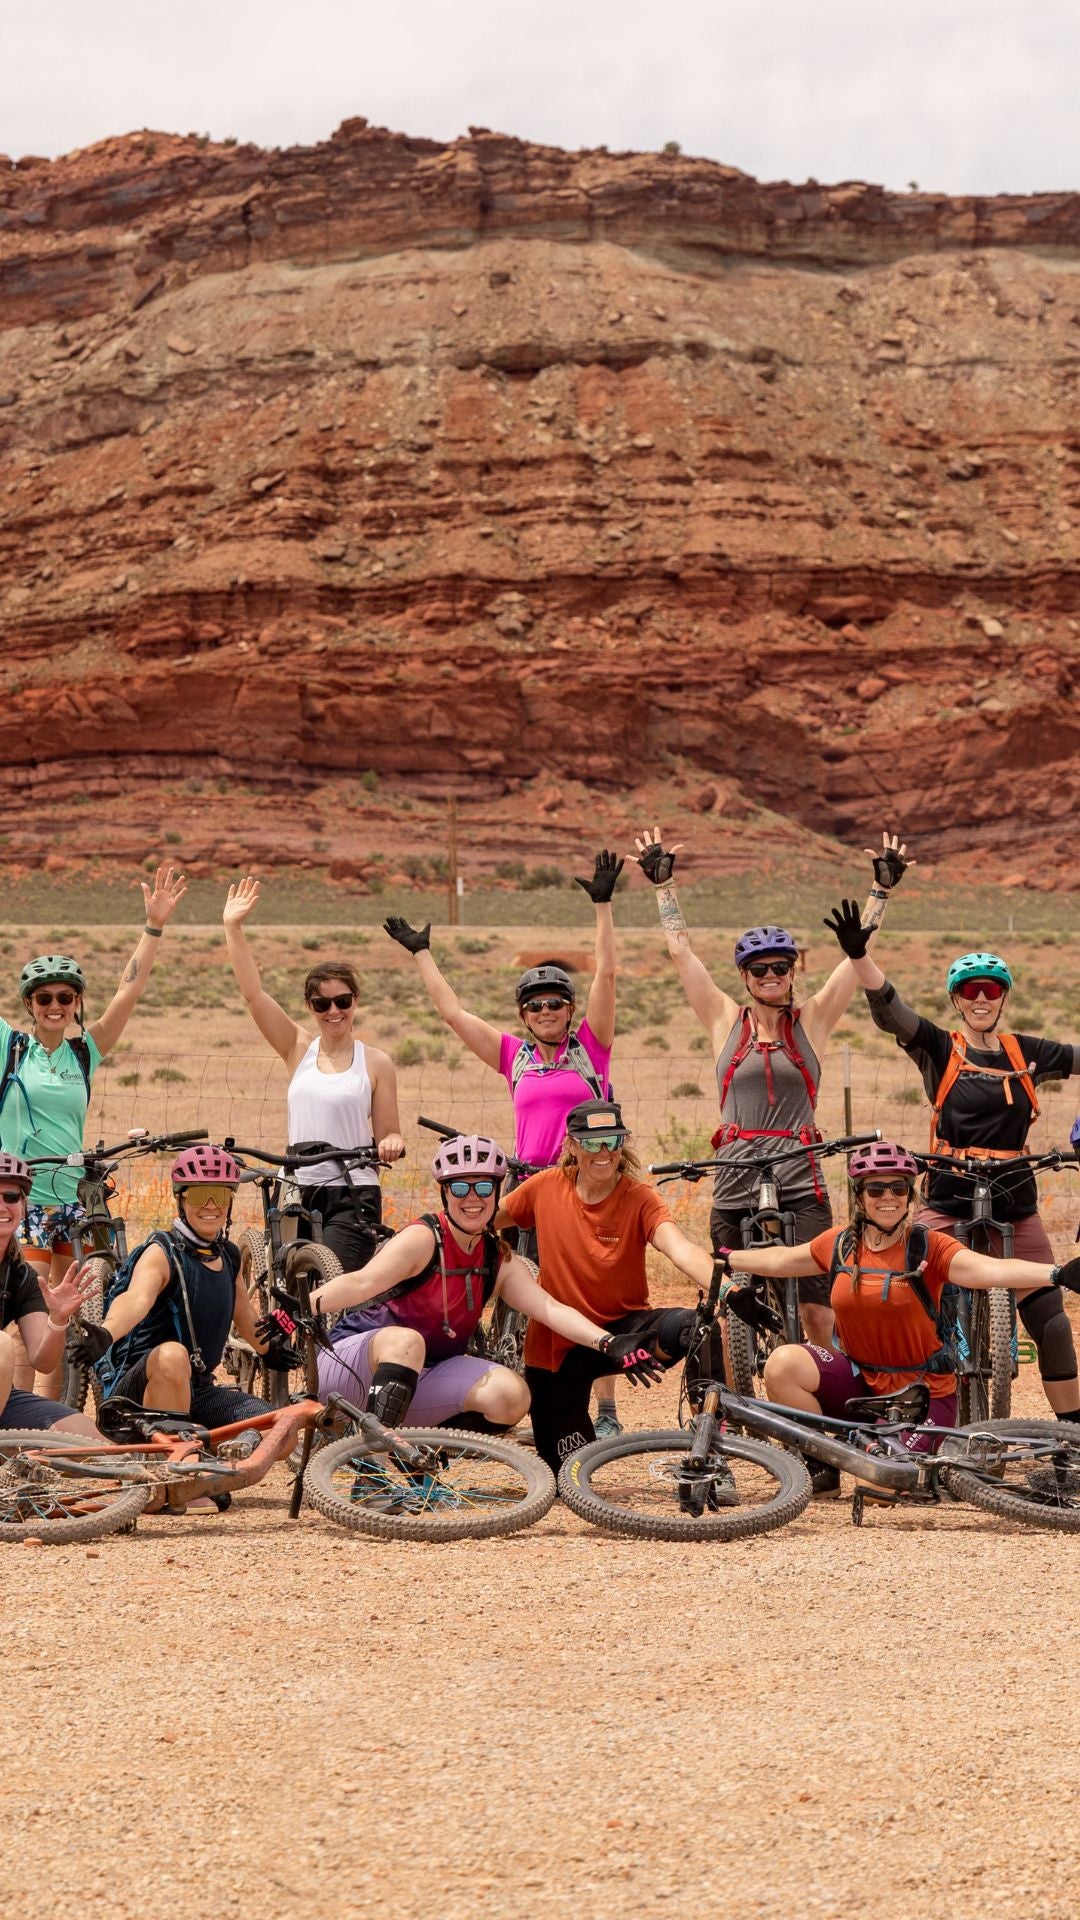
(887, 1277)
(174, 1300)
(400, 1346)
(39, 1307)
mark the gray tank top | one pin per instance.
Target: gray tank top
(749, 1106)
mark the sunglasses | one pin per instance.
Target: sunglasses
(206, 1196)
(322, 1002)
(63, 998)
(10, 1196)
(877, 1189)
(550, 1005)
(972, 989)
(594, 1142)
(758, 969)
(483, 1189)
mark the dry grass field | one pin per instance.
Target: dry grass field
(233, 1714)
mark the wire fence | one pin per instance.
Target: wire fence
(668, 1099)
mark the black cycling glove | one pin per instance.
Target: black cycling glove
(605, 873)
(889, 868)
(656, 865)
(846, 923)
(413, 939)
(1067, 1275)
(94, 1342)
(743, 1302)
(277, 1329)
(629, 1359)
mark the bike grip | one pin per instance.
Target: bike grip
(852, 1140)
(184, 1139)
(666, 1166)
(436, 1126)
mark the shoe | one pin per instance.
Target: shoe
(607, 1427)
(823, 1480)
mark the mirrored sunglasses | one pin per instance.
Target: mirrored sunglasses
(63, 997)
(199, 1196)
(322, 1002)
(483, 1189)
(877, 1189)
(971, 989)
(758, 969)
(593, 1142)
(550, 1004)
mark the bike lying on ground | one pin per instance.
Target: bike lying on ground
(398, 1484)
(677, 1485)
(501, 1337)
(987, 1352)
(101, 1238)
(766, 1224)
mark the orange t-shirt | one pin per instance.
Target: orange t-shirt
(896, 1327)
(591, 1257)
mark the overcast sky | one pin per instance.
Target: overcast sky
(966, 96)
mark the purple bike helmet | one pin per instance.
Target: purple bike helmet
(764, 943)
(883, 1156)
(469, 1156)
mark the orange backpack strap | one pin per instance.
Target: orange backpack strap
(957, 1064)
(1020, 1066)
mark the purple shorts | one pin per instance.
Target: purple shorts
(442, 1392)
(839, 1382)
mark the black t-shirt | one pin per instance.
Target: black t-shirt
(19, 1290)
(977, 1114)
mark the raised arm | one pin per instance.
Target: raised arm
(478, 1035)
(716, 1010)
(277, 1027)
(160, 902)
(600, 1012)
(854, 931)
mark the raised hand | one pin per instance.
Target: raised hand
(413, 939)
(605, 873)
(62, 1301)
(242, 899)
(656, 862)
(846, 923)
(890, 865)
(162, 899)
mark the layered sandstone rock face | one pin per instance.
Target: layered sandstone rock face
(485, 465)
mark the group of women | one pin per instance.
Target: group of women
(408, 1305)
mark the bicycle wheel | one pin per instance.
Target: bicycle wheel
(973, 1398)
(1001, 1333)
(471, 1487)
(631, 1485)
(749, 1348)
(44, 1496)
(1034, 1477)
(307, 1264)
(78, 1378)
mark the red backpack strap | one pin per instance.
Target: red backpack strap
(790, 1046)
(742, 1048)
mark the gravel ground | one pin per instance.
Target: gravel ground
(229, 1714)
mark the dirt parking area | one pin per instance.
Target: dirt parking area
(232, 1714)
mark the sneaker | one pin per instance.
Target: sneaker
(607, 1426)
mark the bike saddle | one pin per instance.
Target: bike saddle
(122, 1419)
(907, 1405)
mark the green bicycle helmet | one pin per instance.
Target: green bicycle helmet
(977, 966)
(51, 970)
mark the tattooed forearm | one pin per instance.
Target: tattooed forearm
(874, 911)
(132, 971)
(671, 919)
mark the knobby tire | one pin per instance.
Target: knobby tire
(733, 1523)
(1028, 1504)
(114, 1502)
(535, 1487)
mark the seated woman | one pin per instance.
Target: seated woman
(39, 1308)
(174, 1300)
(887, 1277)
(594, 1220)
(400, 1346)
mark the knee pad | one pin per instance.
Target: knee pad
(1043, 1316)
(673, 1330)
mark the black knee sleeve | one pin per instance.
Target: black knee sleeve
(392, 1389)
(1043, 1316)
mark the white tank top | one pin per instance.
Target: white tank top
(335, 1107)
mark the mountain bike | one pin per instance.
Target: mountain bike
(765, 1224)
(428, 1484)
(987, 1349)
(102, 1235)
(666, 1485)
(272, 1257)
(501, 1337)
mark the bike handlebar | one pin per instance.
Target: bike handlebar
(289, 1161)
(976, 1166)
(769, 1157)
(523, 1167)
(92, 1156)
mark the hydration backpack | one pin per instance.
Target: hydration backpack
(575, 1058)
(943, 1318)
(1018, 1069)
(788, 1046)
(18, 1046)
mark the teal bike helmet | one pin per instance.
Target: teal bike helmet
(977, 966)
(51, 970)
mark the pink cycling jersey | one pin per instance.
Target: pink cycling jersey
(545, 1095)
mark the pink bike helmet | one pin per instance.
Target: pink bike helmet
(15, 1171)
(883, 1156)
(204, 1163)
(468, 1155)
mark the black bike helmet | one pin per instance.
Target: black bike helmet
(545, 979)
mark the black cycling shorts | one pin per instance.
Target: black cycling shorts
(560, 1400)
(212, 1403)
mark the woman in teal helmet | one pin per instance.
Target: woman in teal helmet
(980, 1079)
(46, 1067)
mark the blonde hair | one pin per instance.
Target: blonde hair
(629, 1164)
